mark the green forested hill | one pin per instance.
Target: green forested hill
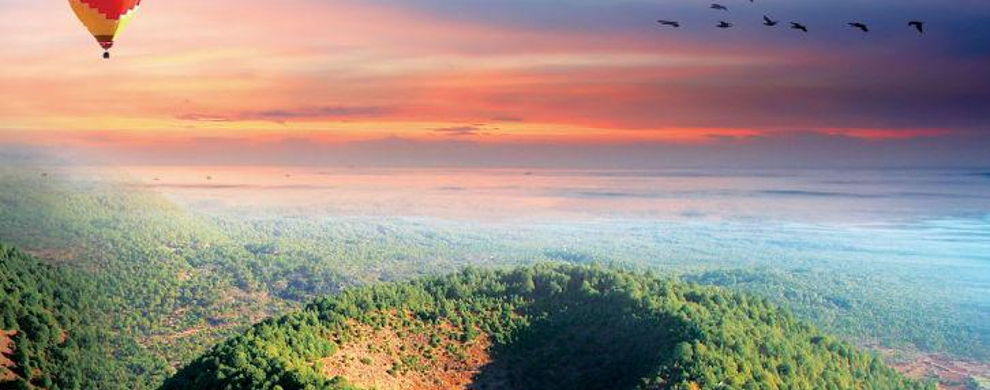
(177, 280)
(175, 283)
(53, 332)
(548, 327)
(852, 305)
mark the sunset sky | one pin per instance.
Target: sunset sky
(581, 82)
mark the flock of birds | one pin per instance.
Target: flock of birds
(916, 24)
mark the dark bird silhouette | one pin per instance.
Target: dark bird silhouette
(769, 22)
(860, 26)
(799, 26)
(719, 7)
(723, 24)
(670, 23)
(917, 24)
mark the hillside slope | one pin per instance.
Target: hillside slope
(546, 327)
(177, 284)
(53, 332)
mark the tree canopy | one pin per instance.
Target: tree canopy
(559, 326)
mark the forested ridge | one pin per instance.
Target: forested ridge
(175, 283)
(556, 327)
(172, 282)
(54, 332)
(850, 304)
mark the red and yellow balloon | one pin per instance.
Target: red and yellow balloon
(105, 18)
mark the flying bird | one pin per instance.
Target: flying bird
(919, 25)
(860, 26)
(723, 24)
(670, 23)
(769, 22)
(799, 26)
(719, 7)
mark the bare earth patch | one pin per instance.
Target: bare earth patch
(950, 373)
(386, 359)
(57, 255)
(6, 349)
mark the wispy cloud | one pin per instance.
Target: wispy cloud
(313, 113)
(289, 114)
(590, 71)
(466, 131)
(792, 149)
(203, 118)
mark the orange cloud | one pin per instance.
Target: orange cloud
(346, 71)
(889, 134)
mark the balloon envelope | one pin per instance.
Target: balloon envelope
(105, 18)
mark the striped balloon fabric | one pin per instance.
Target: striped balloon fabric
(105, 18)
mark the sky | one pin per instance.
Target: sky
(583, 83)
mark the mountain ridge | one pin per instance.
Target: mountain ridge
(550, 327)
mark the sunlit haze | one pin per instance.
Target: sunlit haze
(586, 83)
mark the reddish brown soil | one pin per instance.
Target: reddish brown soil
(373, 359)
(6, 348)
(950, 373)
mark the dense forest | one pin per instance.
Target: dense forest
(852, 293)
(555, 327)
(53, 332)
(174, 280)
(844, 302)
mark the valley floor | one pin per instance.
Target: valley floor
(951, 373)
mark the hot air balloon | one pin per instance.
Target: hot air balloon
(105, 18)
